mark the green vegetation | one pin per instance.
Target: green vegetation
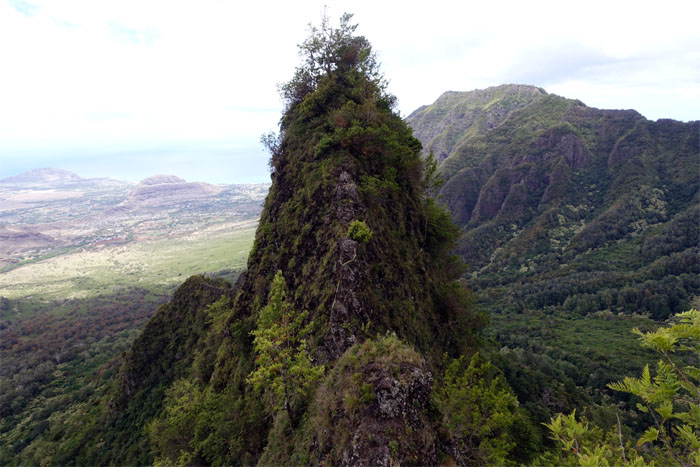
(359, 231)
(58, 352)
(481, 413)
(156, 265)
(284, 372)
(377, 392)
(577, 225)
(57, 363)
(671, 398)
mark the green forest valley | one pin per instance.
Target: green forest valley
(503, 277)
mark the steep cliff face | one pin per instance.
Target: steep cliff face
(348, 159)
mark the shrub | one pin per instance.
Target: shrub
(359, 231)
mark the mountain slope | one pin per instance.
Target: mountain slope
(557, 187)
(578, 224)
(456, 117)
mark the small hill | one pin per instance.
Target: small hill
(161, 180)
(168, 189)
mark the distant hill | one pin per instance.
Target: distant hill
(166, 189)
(42, 176)
(58, 179)
(563, 205)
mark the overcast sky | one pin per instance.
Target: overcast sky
(128, 89)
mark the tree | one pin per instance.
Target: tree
(284, 371)
(326, 51)
(478, 410)
(672, 397)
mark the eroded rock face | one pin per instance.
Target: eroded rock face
(552, 145)
(373, 410)
(400, 403)
(346, 303)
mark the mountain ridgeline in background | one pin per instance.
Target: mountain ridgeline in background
(578, 224)
(564, 205)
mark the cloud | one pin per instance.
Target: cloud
(80, 75)
(558, 62)
(107, 116)
(129, 35)
(24, 7)
(572, 61)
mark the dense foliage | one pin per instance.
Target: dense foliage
(481, 415)
(671, 398)
(57, 361)
(283, 372)
(578, 225)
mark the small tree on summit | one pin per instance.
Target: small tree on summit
(326, 51)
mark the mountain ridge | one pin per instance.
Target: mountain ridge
(561, 177)
(572, 216)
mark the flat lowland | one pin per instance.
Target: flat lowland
(63, 237)
(157, 264)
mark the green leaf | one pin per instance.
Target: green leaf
(690, 439)
(652, 434)
(665, 409)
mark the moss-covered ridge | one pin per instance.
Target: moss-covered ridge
(363, 250)
(347, 157)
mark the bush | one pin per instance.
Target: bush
(359, 231)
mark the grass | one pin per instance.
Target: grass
(152, 264)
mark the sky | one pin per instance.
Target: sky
(128, 89)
